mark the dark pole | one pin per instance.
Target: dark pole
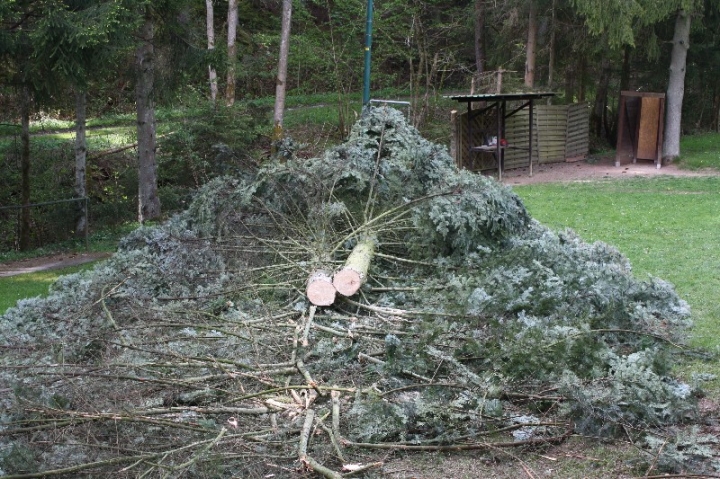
(86, 208)
(530, 144)
(368, 48)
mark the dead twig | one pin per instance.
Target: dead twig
(460, 447)
(307, 460)
(310, 381)
(308, 324)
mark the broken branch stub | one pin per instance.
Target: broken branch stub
(351, 277)
(320, 290)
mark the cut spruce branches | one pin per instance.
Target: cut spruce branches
(195, 347)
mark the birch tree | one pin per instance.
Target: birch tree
(280, 85)
(232, 21)
(531, 45)
(80, 156)
(551, 48)
(212, 74)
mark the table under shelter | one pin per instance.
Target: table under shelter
(493, 139)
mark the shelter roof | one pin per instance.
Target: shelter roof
(500, 97)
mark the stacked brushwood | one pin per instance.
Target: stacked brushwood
(374, 298)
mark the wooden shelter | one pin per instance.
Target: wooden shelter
(640, 127)
(538, 132)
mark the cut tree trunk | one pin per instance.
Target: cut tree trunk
(351, 277)
(320, 290)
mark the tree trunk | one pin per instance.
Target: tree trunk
(715, 125)
(480, 36)
(232, 21)
(148, 200)
(80, 159)
(212, 75)
(282, 70)
(25, 169)
(625, 73)
(569, 84)
(598, 114)
(351, 277)
(531, 44)
(580, 79)
(676, 86)
(551, 47)
(320, 290)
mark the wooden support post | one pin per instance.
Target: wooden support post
(530, 142)
(454, 139)
(500, 119)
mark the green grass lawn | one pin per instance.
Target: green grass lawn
(667, 227)
(13, 288)
(700, 151)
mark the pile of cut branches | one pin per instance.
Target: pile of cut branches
(303, 318)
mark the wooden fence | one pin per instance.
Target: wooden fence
(560, 133)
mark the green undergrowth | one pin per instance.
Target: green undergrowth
(102, 241)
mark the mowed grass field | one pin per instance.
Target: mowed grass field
(668, 227)
(14, 288)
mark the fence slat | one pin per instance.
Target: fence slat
(559, 132)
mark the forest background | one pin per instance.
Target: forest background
(176, 92)
(131, 105)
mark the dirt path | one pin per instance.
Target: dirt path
(595, 169)
(42, 263)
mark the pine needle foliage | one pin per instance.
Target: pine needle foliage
(194, 350)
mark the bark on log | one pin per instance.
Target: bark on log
(320, 290)
(351, 277)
